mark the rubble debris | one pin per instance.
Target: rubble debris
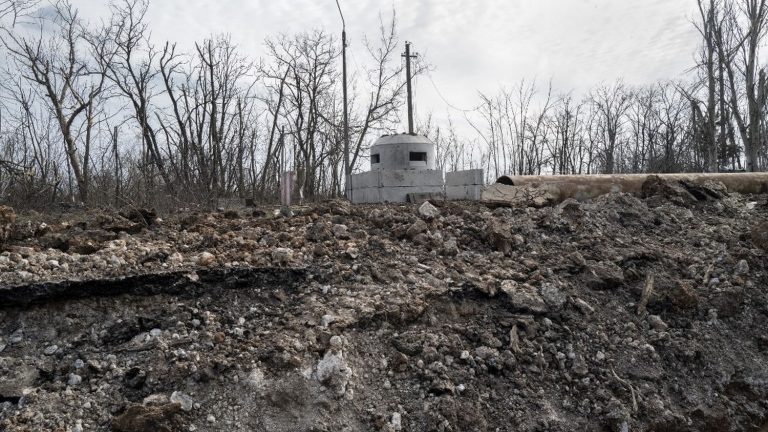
(139, 418)
(682, 192)
(376, 317)
(759, 234)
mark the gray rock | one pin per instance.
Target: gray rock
(417, 228)
(256, 380)
(182, 399)
(523, 297)
(450, 247)
(657, 323)
(603, 275)
(487, 338)
(74, 380)
(340, 232)
(16, 336)
(486, 353)
(51, 350)
(282, 256)
(352, 252)
(333, 372)
(580, 366)
(205, 259)
(396, 422)
(583, 306)
(155, 400)
(553, 297)
(428, 211)
(742, 268)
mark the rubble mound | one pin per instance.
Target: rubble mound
(615, 314)
(682, 192)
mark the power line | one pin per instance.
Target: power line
(450, 105)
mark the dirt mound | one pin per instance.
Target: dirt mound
(610, 315)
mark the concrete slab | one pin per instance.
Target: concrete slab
(400, 194)
(366, 180)
(464, 178)
(366, 195)
(402, 178)
(470, 192)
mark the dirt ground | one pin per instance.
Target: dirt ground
(616, 314)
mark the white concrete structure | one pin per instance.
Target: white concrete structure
(403, 152)
(405, 165)
(464, 185)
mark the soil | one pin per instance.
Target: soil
(616, 314)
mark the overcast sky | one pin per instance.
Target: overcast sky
(473, 45)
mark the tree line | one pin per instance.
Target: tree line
(714, 120)
(102, 114)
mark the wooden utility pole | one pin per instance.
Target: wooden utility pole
(408, 58)
(347, 168)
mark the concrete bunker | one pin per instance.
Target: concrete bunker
(404, 168)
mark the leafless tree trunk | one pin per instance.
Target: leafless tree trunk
(611, 103)
(69, 82)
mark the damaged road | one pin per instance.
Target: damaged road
(614, 314)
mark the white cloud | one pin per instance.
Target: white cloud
(473, 45)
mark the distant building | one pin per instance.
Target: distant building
(403, 168)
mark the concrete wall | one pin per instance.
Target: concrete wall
(464, 185)
(393, 186)
(394, 153)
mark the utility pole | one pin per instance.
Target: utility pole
(347, 168)
(408, 58)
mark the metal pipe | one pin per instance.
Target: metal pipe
(590, 186)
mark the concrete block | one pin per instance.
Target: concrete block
(463, 178)
(364, 180)
(400, 194)
(366, 195)
(403, 178)
(469, 192)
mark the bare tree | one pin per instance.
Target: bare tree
(130, 66)
(69, 81)
(707, 27)
(16, 8)
(739, 36)
(611, 104)
(386, 85)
